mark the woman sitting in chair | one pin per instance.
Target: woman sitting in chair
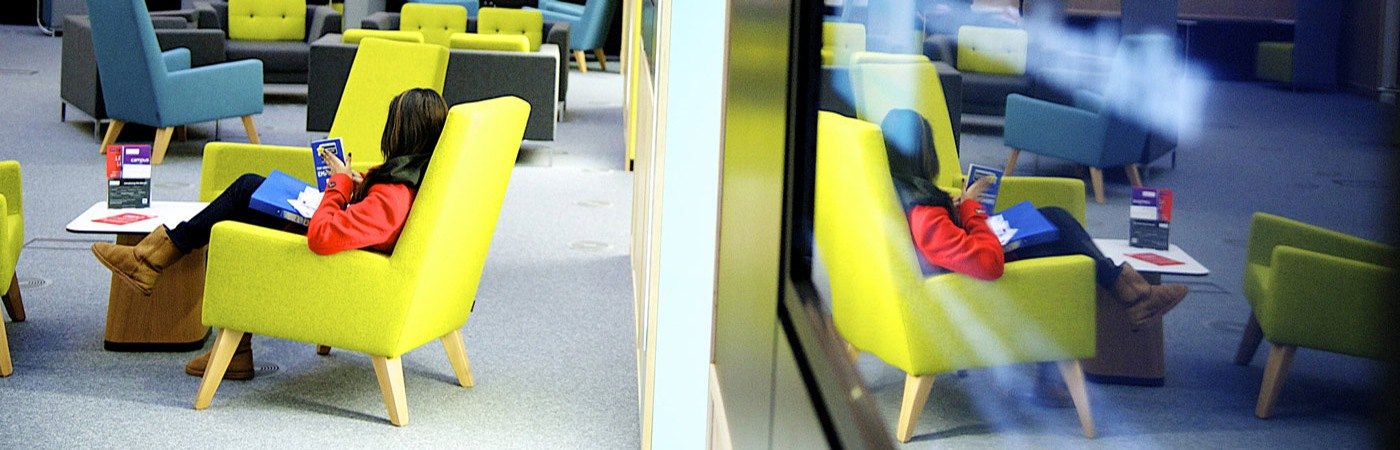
(951, 233)
(357, 211)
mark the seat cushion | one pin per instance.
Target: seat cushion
(1000, 51)
(355, 35)
(277, 56)
(528, 23)
(267, 20)
(986, 94)
(436, 22)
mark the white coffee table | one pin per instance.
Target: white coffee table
(1127, 354)
(168, 320)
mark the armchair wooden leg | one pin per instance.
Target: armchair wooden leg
(852, 353)
(224, 346)
(1096, 178)
(582, 63)
(14, 301)
(602, 59)
(457, 355)
(323, 350)
(1011, 162)
(389, 371)
(1280, 357)
(6, 367)
(915, 395)
(1249, 343)
(252, 131)
(1074, 380)
(114, 128)
(162, 143)
(1134, 177)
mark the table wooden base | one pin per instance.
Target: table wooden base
(168, 320)
(1126, 354)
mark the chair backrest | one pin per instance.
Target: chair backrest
(472, 6)
(592, 28)
(863, 236)
(128, 56)
(998, 51)
(382, 69)
(510, 21)
(1141, 84)
(437, 22)
(842, 40)
(449, 228)
(267, 20)
(883, 82)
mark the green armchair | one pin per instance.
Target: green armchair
(1040, 310)
(1316, 288)
(11, 240)
(267, 282)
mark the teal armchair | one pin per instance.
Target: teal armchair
(588, 26)
(141, 84)
(1316, 288)
(269, 283)
(1041, 309)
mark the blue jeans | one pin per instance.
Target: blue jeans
(1073, 240)
(232, 204)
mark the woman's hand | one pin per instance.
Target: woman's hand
(338, 166)
(976, 189)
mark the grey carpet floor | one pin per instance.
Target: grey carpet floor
(550, 340)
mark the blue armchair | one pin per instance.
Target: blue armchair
(588, 26)
(1097, 130)
(141, 84)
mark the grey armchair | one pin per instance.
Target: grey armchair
(283, 61)
(472, 75)
(79, 82)
(556, 33)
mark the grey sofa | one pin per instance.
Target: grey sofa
(982, 93)
(79, 82)
(836, 95)
(556, 33)
(471, 75)
(283, 61)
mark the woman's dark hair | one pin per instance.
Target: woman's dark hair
(411, 132)
(913, 160)
(414, 124)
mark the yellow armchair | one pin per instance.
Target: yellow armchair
(1040, 310)
(382, 69)
(267, 282)
(1312, 287)
(11, 240)
(882, 82)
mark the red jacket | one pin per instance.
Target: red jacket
(972, 249)
(373, 223)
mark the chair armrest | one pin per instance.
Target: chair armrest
(1328, 302)
(7, 268)
(295, 290)
(168, 23)
(1040, 309)
(557, 33)
(940, 47)
(562, 7)
(381, 20)
(320, 21)
(224, 162)
(238, 84)
(189, 17)
(554, 16)
(1052, 129)
(176, 59)
(1065, 193)
(1267, 231)
(11, 187)
(1088, 101)
(210, 17)
(206, 46)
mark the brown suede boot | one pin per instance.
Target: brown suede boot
(1145, 301)
(139, 265)
(239, 368)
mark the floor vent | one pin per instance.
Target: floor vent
(33, 282)
(20, 72)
